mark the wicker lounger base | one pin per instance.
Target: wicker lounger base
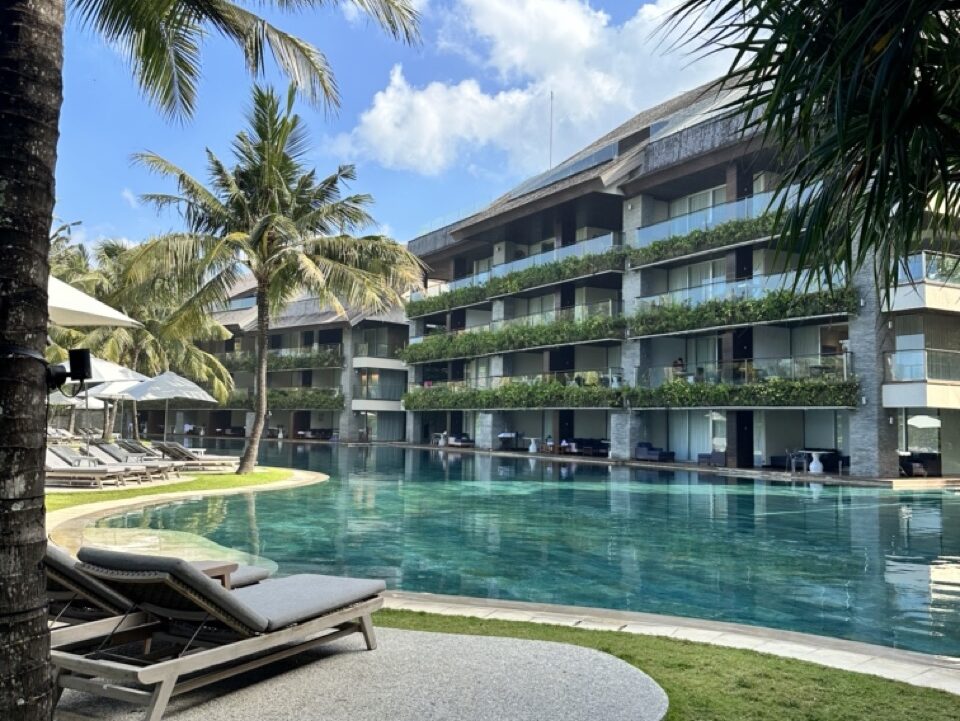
(82, 664)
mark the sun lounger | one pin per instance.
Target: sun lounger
(187, 631)
(137, 447)
(74, 458)
(78, 597)
(61, 473)
(179, 453)
(113, 453)
(201, 453)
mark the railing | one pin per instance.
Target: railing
(823, 366)
(920, 365)
(379, 391)
(933, 267)
(755, 287)
(334, 349)
(752, 207)
(594, 246)
(576, 313)
(606, 377)
(376, 350)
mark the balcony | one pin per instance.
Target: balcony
(932, 282)
(594, 246)
(379, 391)
(290, 398)
(922, 378)
(832, 367)
(603, 377)
(319, 355)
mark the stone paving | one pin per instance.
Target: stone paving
(918, 669)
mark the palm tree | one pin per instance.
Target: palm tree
(162, 40)
(862, 102)
(270, 217)
(170, 332)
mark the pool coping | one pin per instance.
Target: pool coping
(65, 526)
(912, 667)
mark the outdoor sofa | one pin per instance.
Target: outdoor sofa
(187, 631)
(460, 440)
(645, 451)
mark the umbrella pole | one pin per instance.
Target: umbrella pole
(166, 410)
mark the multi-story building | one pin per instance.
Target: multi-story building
(634, 294)
(330, 375)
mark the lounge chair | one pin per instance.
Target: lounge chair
(78, 597)
(186, 626)
(194, 461)
(111, 452)
(79, 460)
(61, 473)
(136, 447)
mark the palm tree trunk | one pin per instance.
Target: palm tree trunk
(249, 459)
(136, 421)
(31, 64)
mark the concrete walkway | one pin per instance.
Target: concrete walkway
(917, 669)
(416, 676)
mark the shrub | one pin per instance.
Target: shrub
(549, 394)
(776, 305)
(772, 392)
(515, 337)
(520, 280)
(734, 231)
(310, 359)
(326, 399)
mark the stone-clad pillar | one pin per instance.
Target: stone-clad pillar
(489, 425)
(349, 427)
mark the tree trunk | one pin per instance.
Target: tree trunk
(31, 64)
(73, 419)
(249, 459)
(136, 421)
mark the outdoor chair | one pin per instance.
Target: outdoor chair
(61, 473)
(195, 460)
(115, 453)
(187, 631)
(150, 471)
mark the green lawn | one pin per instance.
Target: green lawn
(207, 482)
(709, 683)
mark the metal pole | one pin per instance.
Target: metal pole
(166, 410)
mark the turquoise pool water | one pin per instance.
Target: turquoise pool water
(866, 564)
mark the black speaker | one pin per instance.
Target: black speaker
(80, 364)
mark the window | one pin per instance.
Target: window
(698, 201)
(276, 341)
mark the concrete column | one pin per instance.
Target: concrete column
(349, 427)
(413, 427)
(873, 438)
(489, 425)
(625, 432)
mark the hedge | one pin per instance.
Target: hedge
(776, 305)
(520, 280)
(734, 231)
(513, 395)
(290, 399)
(515, 337)
(275, 362)
(771, 392)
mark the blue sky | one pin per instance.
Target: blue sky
(435, 130)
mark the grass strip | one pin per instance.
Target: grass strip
(711, 683)
(206, 482)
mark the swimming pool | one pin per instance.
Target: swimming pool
(860, 563)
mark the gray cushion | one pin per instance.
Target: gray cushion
(125, 565)
(64, 565)
(285, 601)
(247, 575)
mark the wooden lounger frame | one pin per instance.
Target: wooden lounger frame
(82, 658)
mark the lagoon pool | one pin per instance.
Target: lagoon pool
(859, 563)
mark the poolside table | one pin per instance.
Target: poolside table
(219, 570)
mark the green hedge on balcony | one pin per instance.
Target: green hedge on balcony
(513, 395)
(729, 233)
(248, 361)
(772, 392)
(520, 280)
(777, 305)
(517, 337)
(318, 399)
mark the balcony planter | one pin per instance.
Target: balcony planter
(291, 399)
(521, 280)
(467, 345)
(729, 233)
(778, 305)
(276, 362)
(773, 392)
(513, 395)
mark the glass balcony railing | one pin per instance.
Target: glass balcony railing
(376, 350)
(821, 366)
(933, 267)
(577, 313)
(606, 377)
(594, 246)
(379, 391)
(755, 287)
(928, 364)
(333, 349)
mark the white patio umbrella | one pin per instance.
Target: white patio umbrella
(165, 387)
(73, 308)
(924, 421)
(59, 399)
(104, 371)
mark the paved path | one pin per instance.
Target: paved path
(917, 669)
(416, 676)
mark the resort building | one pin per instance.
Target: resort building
(330, 375)
(631, 303)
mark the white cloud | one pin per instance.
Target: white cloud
(600, 74)
(131, 198)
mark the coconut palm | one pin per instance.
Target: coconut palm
(162, 40)
(271, 217)
(862, 102)
(170, 333)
